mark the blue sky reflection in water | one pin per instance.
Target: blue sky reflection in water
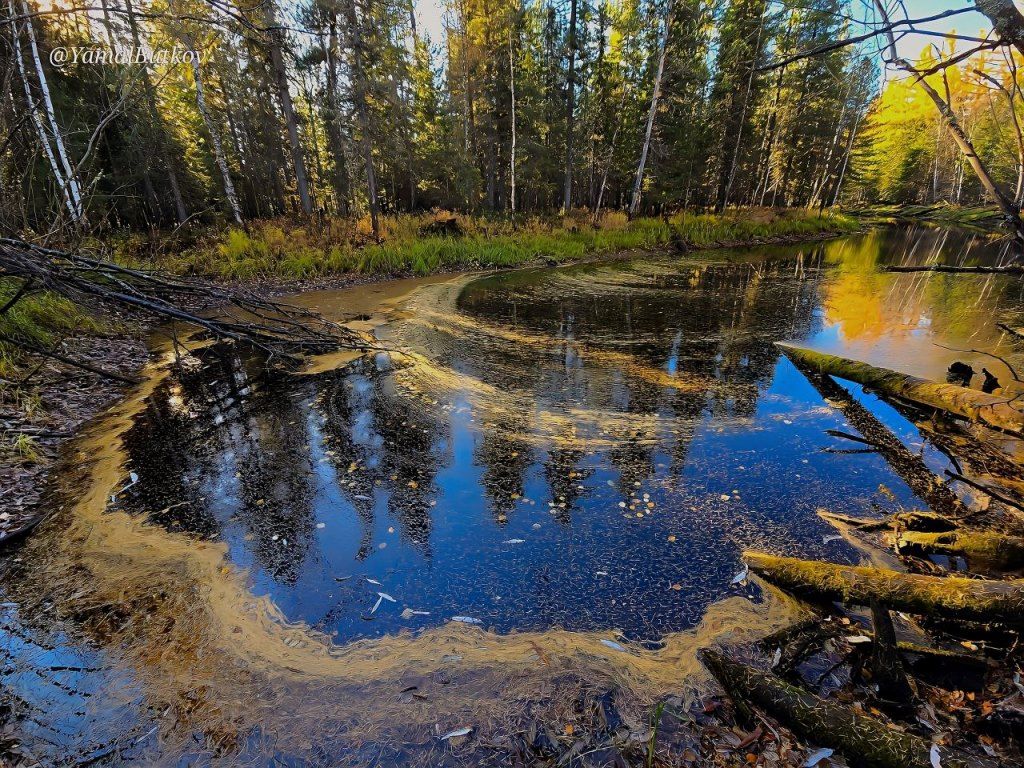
(591, 447)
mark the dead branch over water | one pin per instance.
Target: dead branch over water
(276, 329)
(991, 410)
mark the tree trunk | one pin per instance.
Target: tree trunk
(285, 97)
(512, 154)
(1006, 20)
(887, 670)
(74, 191)
(32, 105)
(970, 404)
(634, 204)
(570, 110)
(723, 200)
(864, 740)
(154, 116)
(335, 141)
(362, 112)
(910, 467)
(990, 550)
(211, 128)
(949, 597)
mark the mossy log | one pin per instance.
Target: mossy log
(863, 740)
(994, 550)
(991, 410)
(950, 597)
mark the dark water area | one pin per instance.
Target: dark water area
(608, 439)
(586, 448)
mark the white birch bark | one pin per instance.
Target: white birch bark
(218, 147)
(73, 188)
(634, 203)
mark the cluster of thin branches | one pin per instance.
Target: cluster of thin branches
(279, 330)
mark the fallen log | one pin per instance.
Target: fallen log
(864, 740)
(995, 550)
(950, 597)
(970, 404)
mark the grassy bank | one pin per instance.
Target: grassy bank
(409, 244)
(288, 249)
(38, 320)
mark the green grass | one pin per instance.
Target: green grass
(277, 249)
(38, 319)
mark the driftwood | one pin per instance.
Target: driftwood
(274, 328)
(991, 410)
(993, 550)
(864, 740)
(949, 597)
(1009, 269)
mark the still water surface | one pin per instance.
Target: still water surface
(569, 452)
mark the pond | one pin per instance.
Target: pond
(543, 473)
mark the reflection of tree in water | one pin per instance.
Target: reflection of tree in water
(408, 461)
(505, 457)
(275, 476)
(176, 445)
(340, 402)
(566, 478)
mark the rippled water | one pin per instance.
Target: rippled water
(586, 449)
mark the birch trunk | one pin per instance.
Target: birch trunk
(218, 147)
(512, 158)
(66, 177)
(634, 204)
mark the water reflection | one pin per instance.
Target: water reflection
(587, 448)
(631, 418)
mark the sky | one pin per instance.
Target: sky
(429, 18)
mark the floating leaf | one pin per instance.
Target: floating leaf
(465, 731)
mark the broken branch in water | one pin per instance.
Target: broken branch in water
(905, 463)
(914, 520)
(277, 329)
(986, 489)
(950, 597)
(995, 550)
